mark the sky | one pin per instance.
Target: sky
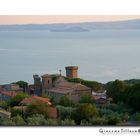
(48, 19)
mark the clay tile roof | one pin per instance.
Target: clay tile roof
(9, 93)
(34, 99)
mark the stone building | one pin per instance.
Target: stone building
(37, 85)
(58, 87)
(72, 71)
(62, 88)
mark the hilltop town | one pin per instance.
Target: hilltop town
(54, 99)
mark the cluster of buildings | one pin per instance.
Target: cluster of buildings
(57, 86)
(8, 91)
(54, 86)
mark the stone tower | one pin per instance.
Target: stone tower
(72, 71)
(46, 82)
(37, 85)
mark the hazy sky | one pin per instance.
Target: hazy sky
(61, 19)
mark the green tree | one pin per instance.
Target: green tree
(18, 98)
(38, 108)
(114, 120)
(36, 120)
(66, 101)
(96, 121)
(64, 112)
(16, 112)
(67, 122)
(84, 112)
(87, 98)
(4, 104)
(6, 122)
(18, 120)
(22, 84)
(115, 89)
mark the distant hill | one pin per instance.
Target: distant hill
(74, 27)
(129, 82)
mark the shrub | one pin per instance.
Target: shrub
(4, 104)
(87, 98)
(65, 101)
(16, 112)
(114, 120)
(64, 112)
(84, 112)
(36, 119)
(98, 121)
(67, 122)
(18, 120)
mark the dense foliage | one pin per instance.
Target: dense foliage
(22, 84)
(65, 101)
(87, 98)
(37, 108)
(18, 98)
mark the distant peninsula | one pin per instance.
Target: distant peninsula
(74, 27)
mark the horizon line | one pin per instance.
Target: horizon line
(82, 22)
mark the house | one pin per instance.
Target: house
(102, 100)
(12, 87)
(32, 99)
(28, 101)
(7, 95)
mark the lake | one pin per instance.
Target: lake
(101, 55)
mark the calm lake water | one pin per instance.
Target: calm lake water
(101, 55)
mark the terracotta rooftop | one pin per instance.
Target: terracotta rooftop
(34, 99)
(9, 93)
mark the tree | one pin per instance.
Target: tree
(6, 122)
(87, 98)
(18, 120)
(4, 104)
(18, 98)
(67, 122)
(16, 112)
(22, 84)
(64, 112)
(36, 119)
(96, 121)
(115, 89)
(65, 101)
(38, 108)
(84, 112)
(114, 120)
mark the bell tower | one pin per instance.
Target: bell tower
(46, 82)
(72, 71)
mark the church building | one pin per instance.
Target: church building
(58, 87)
